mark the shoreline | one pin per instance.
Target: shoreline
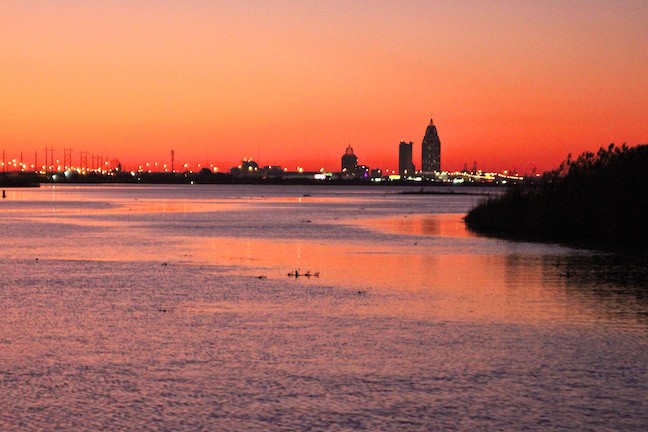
(597, 201)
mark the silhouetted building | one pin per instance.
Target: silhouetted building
(362, 171)
(431, 150)
(349, 161)
(405, 164)
(272, 171)
(248, 168)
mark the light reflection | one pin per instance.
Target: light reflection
(443, 287)
(426, 271)
(444, 225)
(410, 308)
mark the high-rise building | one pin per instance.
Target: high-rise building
(431, 150)
(405, 164)
(349, 161)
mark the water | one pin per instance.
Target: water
(171, 308)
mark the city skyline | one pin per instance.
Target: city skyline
(514, 86)
(431, 151)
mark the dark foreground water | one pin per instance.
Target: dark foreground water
(171, 308)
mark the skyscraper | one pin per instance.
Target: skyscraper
(405, 164)
(349, 161)
(431, 150)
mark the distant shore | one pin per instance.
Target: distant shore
(34, 180)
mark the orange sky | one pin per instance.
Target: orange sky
(510, 84)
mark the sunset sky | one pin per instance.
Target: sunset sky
(510, 84)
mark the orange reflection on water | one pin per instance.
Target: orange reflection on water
(443, 225)
(413, 281)
(86, 200)
(50, 201)
(433, 267)
(304, 198)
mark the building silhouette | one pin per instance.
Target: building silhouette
(431, 150)
(362, 171)
(349, 161)
(247, 168)
(405, 164)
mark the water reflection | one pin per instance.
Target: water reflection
(504, 287)
(156, 317)
(439, 225)
(615, 285)
(447, 271)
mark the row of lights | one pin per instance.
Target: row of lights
(154, 167)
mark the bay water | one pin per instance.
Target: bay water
(249, 307)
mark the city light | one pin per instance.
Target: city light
(350, 168)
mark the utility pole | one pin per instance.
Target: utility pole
(83, 161)
(172, 161)
(51, 159)
(67, 158)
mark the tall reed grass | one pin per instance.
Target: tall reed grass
(599, 200)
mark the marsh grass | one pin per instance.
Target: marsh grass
(599, 200)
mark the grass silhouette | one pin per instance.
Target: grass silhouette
(599, 200)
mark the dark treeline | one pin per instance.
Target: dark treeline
(599, 200)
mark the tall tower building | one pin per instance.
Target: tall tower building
(431, 151)
(349, 161)
(405, 164)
